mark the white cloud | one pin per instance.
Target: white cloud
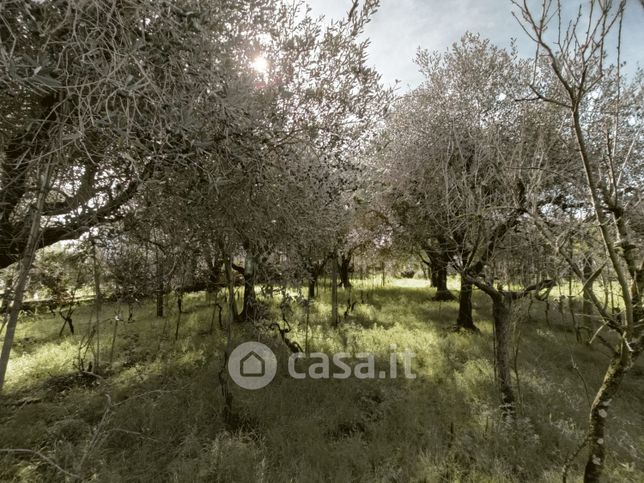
(402, 26)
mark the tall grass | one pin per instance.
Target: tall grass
(155, 415)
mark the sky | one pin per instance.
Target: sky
(400, 27)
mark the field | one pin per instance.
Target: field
(155, 413)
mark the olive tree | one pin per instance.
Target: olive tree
(604, 116)
(99, 99)
(457, 152)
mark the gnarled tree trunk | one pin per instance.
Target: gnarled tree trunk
(439, 263)
(345, 270)
(465, 320)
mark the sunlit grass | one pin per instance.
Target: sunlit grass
(165, 415)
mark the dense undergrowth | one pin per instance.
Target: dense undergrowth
(155, 413)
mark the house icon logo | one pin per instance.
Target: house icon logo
(252, 365)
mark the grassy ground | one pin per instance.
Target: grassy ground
(156, 414)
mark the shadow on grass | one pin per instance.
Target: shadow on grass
(164, 419)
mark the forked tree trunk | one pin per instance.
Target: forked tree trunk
(501, 315)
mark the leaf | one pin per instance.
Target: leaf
(47, 80)
(72, 136)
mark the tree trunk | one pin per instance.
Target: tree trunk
(465, 320)
(214, 274)
(345, 270)
(315, 269)
(501, 315)
(23, 275)
(160, 286)
(426, 272)
(599, 413)
(312, 287)
(6, 296)
(439, 278)
(12, 322)
(434, 278)
(249, 310)
(230, 284)
(114, 333)
(160, 290)
(97, 306)
(501, 310)
(223, 373)
(179, 313)
(334, 291)
(67, 321)
(587, 303)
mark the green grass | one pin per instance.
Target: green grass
(155, 415)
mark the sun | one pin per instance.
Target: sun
(260, 64)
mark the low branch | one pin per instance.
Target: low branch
(44, 458)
